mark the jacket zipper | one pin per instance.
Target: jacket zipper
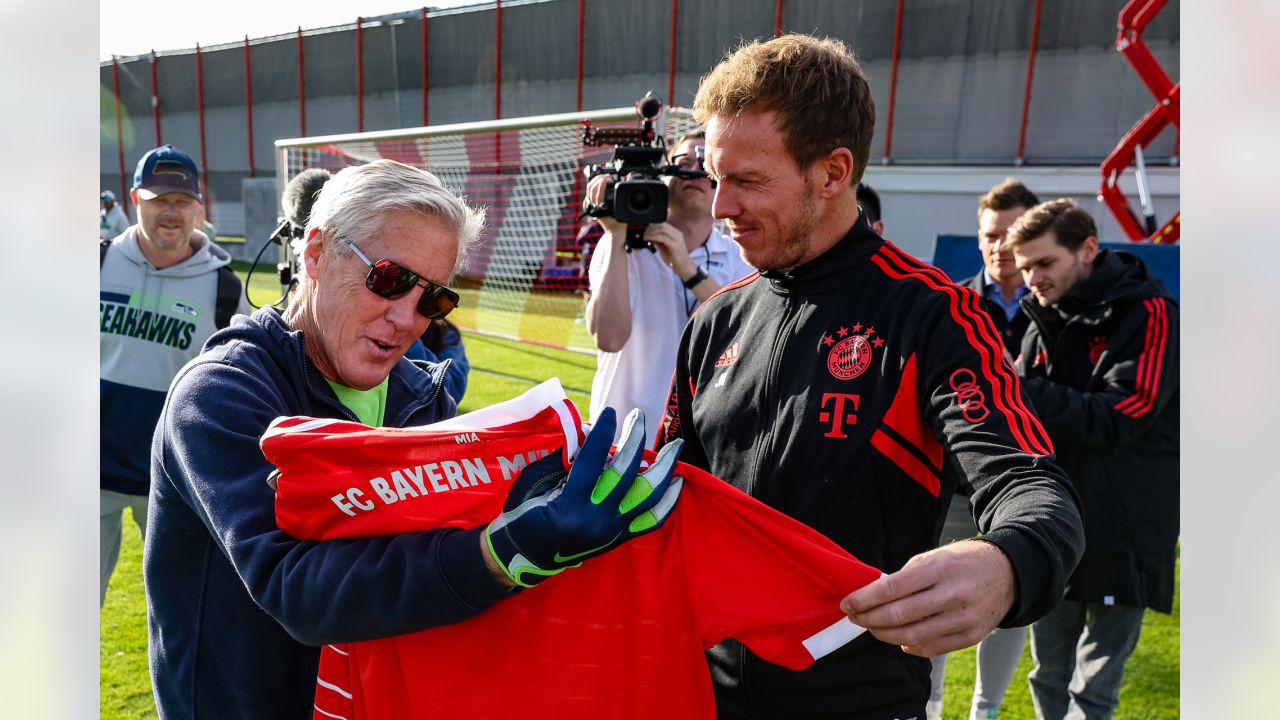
(770, 385)
(1040, 328)
(413, 408)
(304, 363)
(767, 404)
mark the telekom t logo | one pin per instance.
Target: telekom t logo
(837, 416)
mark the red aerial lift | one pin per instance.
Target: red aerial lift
(1134, 18)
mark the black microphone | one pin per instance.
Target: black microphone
(297, 200)
(649, 106)
(300, 195)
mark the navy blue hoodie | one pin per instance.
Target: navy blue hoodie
(237, 609)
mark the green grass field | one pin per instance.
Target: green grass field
(502, 369)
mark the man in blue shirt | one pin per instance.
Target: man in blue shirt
(999, 284)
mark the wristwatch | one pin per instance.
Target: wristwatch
(698, 276)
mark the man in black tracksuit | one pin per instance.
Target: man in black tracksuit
(855, 388)
(1100, 362)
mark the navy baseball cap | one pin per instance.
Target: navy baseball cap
(107, 196)
(166, 169)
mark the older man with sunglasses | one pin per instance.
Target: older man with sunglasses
(238, 609)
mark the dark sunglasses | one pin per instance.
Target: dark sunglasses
(390, 280)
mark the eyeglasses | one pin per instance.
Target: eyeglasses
(390, 280)
(685, 161)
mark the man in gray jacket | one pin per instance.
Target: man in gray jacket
(164, 289)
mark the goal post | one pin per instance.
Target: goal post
(525, 277)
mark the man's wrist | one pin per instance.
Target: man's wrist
(999, 541)
(695, 278)
(614, 232)
(491, 562)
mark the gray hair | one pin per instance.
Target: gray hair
(354, 199)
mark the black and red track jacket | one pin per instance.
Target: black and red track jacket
(1101, 367)
(1011, 331)
(854, 394)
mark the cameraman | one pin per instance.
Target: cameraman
(641, 300)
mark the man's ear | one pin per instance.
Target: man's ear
(1089, 249)
(836, 172)
(878, 226)
(312, 251)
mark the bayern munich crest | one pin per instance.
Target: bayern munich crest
(850, 350)
(1097, 346)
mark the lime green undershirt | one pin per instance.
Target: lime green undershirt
(368, 405)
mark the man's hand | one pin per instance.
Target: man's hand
(941, 600)
(596, 189)
(670, 244)
(550, 522)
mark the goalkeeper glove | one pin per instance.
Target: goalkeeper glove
(550, 522)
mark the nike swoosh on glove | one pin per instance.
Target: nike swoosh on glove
(554, 520)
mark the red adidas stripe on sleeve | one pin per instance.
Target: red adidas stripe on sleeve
(982, 337)
(1150, 362)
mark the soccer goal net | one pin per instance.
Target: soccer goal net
(525, 278)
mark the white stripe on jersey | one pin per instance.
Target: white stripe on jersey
(339, 650)
(275, 427)
(517, 409)
(329, 714)
(330, 686)
(832, 637)
(570, 426)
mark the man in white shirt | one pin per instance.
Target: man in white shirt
(641, 300)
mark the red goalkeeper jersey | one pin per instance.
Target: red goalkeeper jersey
(621, 637)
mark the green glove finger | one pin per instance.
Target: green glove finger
(630, 448)
(646, 522)
(609, 480)
(639, 491)
(652, 518)
(644, 485)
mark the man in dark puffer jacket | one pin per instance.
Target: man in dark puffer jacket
(1100, 362)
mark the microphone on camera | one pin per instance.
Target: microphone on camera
(297, 200)
(649, 106)
(300, 195)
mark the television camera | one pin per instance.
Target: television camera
(637, 197)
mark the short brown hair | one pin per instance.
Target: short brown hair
(697, 133)
(1070, 225)
(1008, 195)
(815, 86)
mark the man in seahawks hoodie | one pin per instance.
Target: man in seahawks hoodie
(159, 301)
